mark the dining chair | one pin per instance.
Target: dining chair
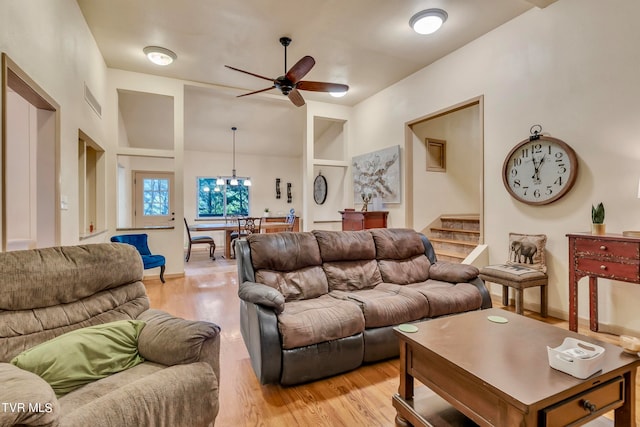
(246, 226)
(194, 240)
(140, 241)
(291, 220)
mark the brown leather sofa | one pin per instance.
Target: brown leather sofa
(319, 303)
(47, 292)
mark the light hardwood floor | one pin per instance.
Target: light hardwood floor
(358, 398)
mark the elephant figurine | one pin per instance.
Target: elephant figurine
(521, 249)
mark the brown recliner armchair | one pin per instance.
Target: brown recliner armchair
(47, 292)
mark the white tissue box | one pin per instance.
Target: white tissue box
(576, 358)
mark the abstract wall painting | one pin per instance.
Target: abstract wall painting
(377, 173)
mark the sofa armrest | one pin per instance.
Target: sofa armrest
(169, 340)
(484, 292)
(259, 327)
(452, 272)
(260, 294)
(26, 399)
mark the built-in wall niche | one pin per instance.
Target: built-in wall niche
(329, 140)
(145, 192)
(145, 120)
(91, 186)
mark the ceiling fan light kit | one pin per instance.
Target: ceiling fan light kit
(159, 55)
(291, 83)
(428, 21)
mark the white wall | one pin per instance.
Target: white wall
(21, 165)
(50, 41)
(572, 68)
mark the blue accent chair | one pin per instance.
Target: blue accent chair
(140, 242)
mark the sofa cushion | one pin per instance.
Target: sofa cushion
(345, 245)
(448, 298)
(146, 395)
(170, 340)
(401, 255)
(318, 320)
(352, 275)
(397, 243)
(453, 272)
(26, 388)
(387, 304)
(305, 283)
(51, 276)
(23, 329)
(403, 272)
(79, 357)
(283, 251)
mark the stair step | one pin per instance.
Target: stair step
(454, 242)
(454, 234)
(457, 230)
(464, 222)
(450, 256)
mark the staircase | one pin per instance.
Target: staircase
(454, 236)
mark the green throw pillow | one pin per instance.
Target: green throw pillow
(84, 355)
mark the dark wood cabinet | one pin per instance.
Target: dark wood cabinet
(358, 220)
(610, 256)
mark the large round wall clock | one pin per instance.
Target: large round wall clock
(540, 171)
(320, 189)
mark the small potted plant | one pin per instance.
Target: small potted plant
(597, 219)
(266, 212)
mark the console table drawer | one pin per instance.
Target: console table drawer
(608, 248)
(609, 269)
(590, 404)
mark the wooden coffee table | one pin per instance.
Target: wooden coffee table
(491, 374)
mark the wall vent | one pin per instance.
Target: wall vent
(92, 101)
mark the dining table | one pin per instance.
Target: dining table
(229, 227)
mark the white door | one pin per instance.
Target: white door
(153, 199)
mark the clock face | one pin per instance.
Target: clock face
(540, 171)
(320, 189)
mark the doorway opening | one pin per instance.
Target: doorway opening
(440, 183)
(30, 162)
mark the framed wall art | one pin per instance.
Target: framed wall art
(378, 174)
(436, 155)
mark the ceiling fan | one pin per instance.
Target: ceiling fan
(291, 83)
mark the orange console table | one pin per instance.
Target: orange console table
(611, 256)
(358, 220)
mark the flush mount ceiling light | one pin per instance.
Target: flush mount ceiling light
(428, 21)
(159, 55)
(339, 94)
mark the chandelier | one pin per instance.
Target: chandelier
(234, 180)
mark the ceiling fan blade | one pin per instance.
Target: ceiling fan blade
(296, 98)
(300, 69)
(247, 72)
(321, 86)
(257, 91)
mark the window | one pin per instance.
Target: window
(217, 201)
(153, 198)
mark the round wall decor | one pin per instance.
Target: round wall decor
(320, 189)
(540, 170)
